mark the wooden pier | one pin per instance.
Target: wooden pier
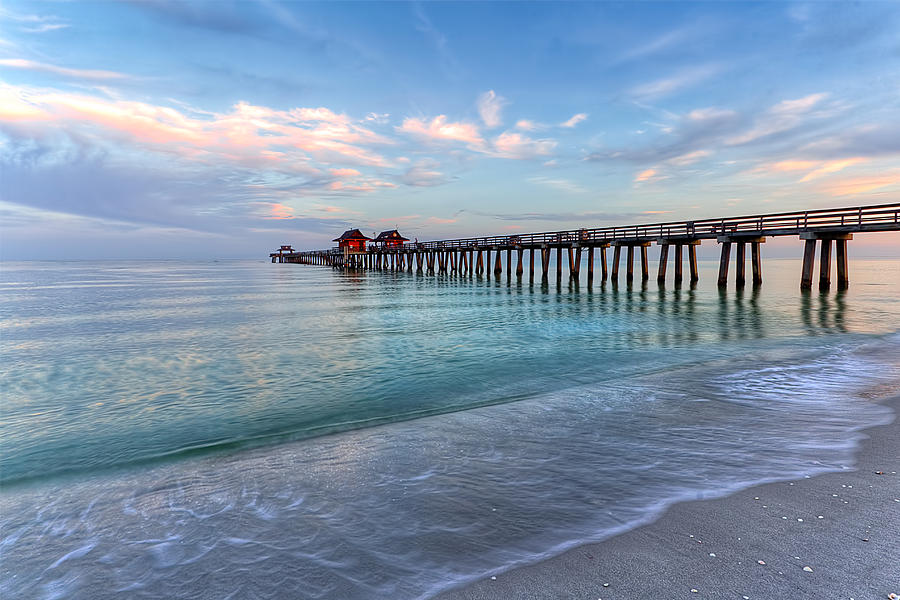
(478, 255)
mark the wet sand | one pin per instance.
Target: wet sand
(831, 536)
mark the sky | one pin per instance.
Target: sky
(161, 129)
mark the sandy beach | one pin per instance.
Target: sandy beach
(830, 536)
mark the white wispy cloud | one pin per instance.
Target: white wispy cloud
(783, 116)
(85, 74)
(490, 107)
(675, 83)
(45, 27)
(574, 120)
(560, 184)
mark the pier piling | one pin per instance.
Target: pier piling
(617, 253)
(825, 265)
(679, 263)
(756, 262)
(723, 262)
(740, 276)
(663, 259)
(841, 258)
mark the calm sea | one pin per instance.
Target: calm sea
(244, 429)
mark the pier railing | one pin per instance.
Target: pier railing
(884, 217)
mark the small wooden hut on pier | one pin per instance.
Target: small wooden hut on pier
(353, 240)
(390, 239)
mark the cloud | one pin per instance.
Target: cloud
(645, 175)
(560, 184)
(871, 140)
(439, 221)
(223, 16)
(516, 145)
(449, 64)
(526, 125)
(574, 120)
(860, 185)
(439, 129)
(781, 117)
(424, 174)
(653, 46)
(83, 74)
(831, 167)
(667, 86)
(344, 172)
(490, 105)
(278, 211)
(688, 158)
(692, 135)
(45, 27)
(248, 134)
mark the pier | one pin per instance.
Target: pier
(822, 229)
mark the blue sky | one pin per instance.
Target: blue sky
(172, 129)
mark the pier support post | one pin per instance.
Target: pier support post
(756, 262)
(663, 260)
(577, 270)
(692, 260)
(629, 264)
(617, 253)
(740, 275)
(559, 262)
(479, 268)
(498, 264)
(590, 276)
(840, 247)
(679, 263)
(545, 261)
(825, 265)
(604, 271)
(519, 267)
(531, 264)
(723, 263)
(645, 267)
(570, 251)
(509, 263)
(809, 259)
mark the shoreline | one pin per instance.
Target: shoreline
(711, 548)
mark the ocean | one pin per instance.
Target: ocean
(240, 429)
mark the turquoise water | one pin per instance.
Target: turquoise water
(234, 429)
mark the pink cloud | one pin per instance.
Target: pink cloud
(516, 145)
(440, 129)
(344, 172)
(645, 175)
(278, 211)
(861, 185)
(244, 134)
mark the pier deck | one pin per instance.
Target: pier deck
(472, 256)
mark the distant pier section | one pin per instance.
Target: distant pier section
(818, 229)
